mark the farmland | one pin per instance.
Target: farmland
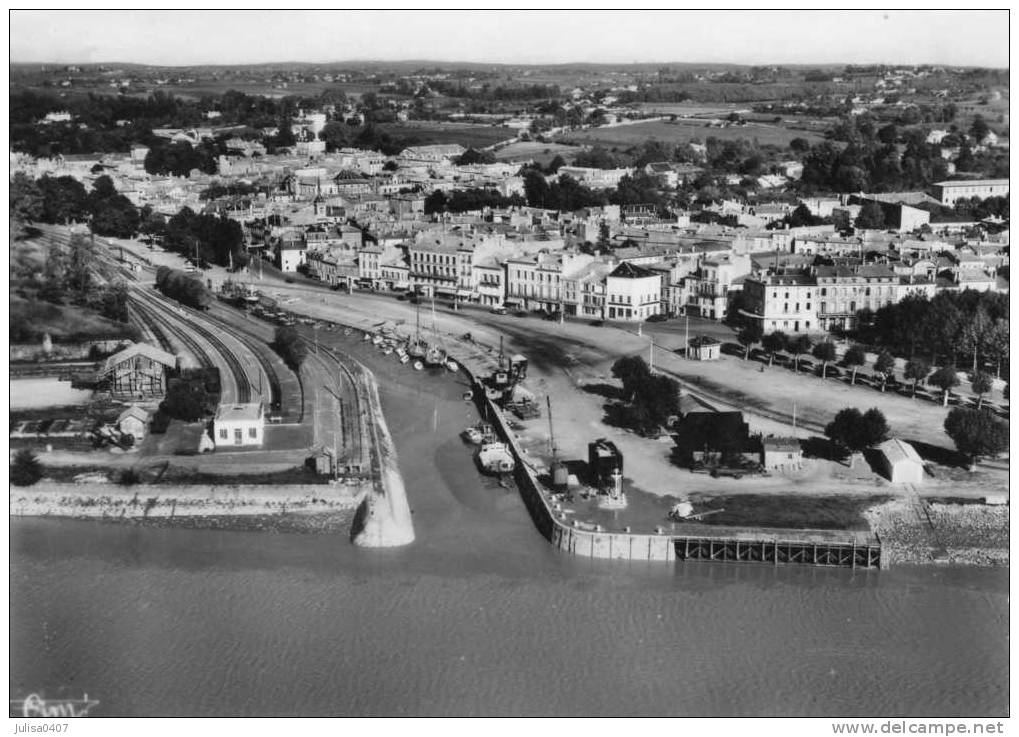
(542, 153)
(685, 131)
(429, 132)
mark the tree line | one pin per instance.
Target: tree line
(64, 200)
(186, 289)
(967, 328)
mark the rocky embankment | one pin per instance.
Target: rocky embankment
(913, 531)
(309, 508)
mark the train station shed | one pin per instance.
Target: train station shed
(239, 425)
(138, 372)
(899, 462)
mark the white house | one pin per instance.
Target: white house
(133, 421)
(899, 462)
(239, 425)
(781, 452)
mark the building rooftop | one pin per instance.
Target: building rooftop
(251, 412)
(896, 450)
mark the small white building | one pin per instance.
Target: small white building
(703, 348)
(781, 452)
(899, 462)
(133, 421)
(239, 425)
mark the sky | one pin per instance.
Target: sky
(959, 38)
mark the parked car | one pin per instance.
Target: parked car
(499, 310)
(521, 313)
(657, 318)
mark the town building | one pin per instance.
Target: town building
(239, 425)
(825, 297)
(633, 293)
(948, 193)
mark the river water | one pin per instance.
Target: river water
(480, 616)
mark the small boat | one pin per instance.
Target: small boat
(401, 353)
(452, 365)
(433, 357)
(495, 457)
(387, 350)
(347, 331)
(417, 348)
(367, 336)
(377, 339)
(404, 358)
(480, 433)
(418, 366)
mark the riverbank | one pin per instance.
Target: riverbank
(917, 532)
(300, 508)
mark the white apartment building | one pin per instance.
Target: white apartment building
(595, 178)
(948, 193)
(705, 293)
(826, 297)
(633, 293)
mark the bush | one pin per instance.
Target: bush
(26, 469)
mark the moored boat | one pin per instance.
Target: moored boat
(495, 457)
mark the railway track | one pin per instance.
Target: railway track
(351, 423)
(257, 348)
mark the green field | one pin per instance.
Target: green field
(467, 135)
(684, 132)
(536, 151)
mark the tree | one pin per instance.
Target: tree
(186, 401)
(798, 345)
(825, 353)
(975, 333)
(873, 428)
(856, 431)
(980, 383)
(854, 358)
(26, 198)
(80, 271)
(631, 370)
(26, 469)
(979, 128)
(799, 145)
(773, 343)
(884, 365)
(749, 336)
(945, 378)
(290, 347)
(871, 217)
(917, 369)
(976, 433)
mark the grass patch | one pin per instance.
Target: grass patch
(788, 511)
